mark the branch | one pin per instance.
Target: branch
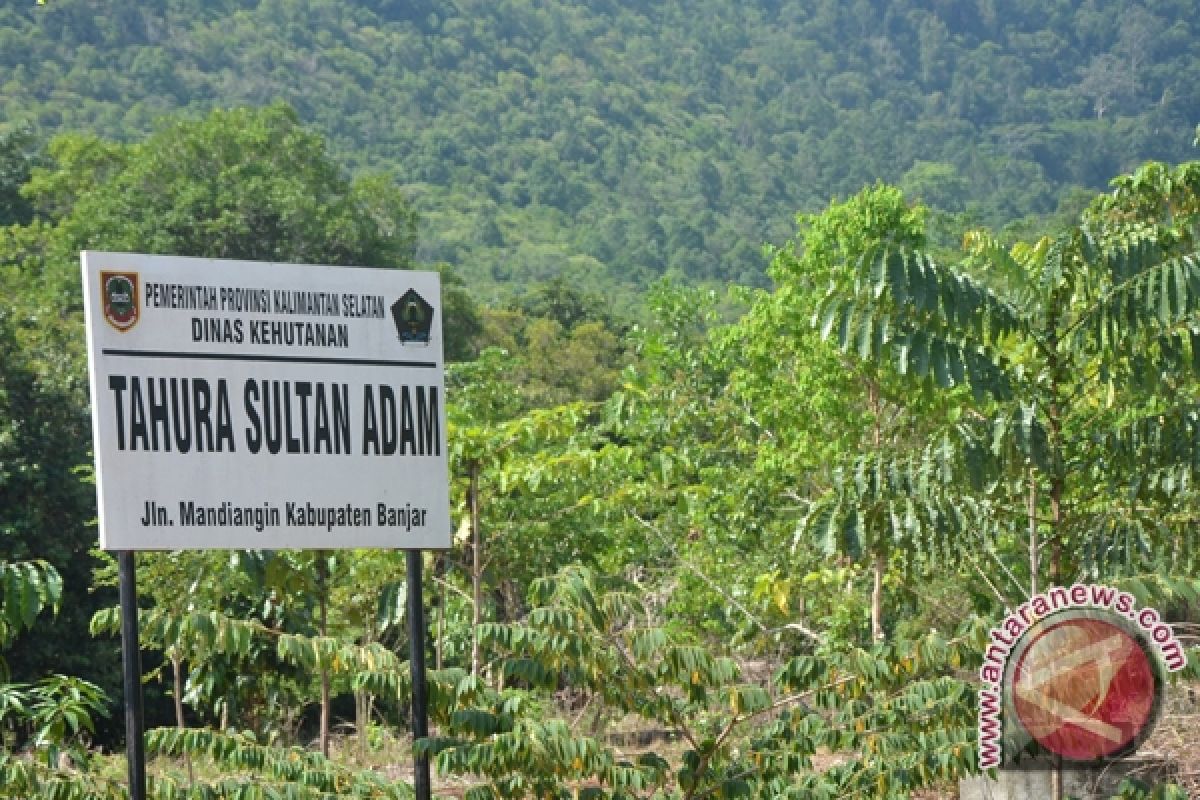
(1007, 571)
(446, 584)
(797, 698)
(676, 717)
(1003, 600)
(716, 588)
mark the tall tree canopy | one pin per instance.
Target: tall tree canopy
(250, 184)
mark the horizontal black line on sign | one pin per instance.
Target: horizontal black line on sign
(354, 362)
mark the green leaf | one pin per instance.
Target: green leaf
(865, 338)
(829, 318)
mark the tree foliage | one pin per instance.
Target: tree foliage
(1074, 361)
(249, 184)
(668, 524)
(736, 738)
(245, 183)
(618, 142)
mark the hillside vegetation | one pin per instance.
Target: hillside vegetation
(779, 536)
(611, 142)
(766, 526)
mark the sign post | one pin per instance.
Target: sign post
(246, 405)
(131, 663)
(420, 708)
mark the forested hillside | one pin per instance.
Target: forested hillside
(615, 141)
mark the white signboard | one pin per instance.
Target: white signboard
(250, 405)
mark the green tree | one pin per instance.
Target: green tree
(248, 184)
(526, 483)
(54, 716)
(19, 154)
(45, 500)
(856, 515)
(1079, 353)
(27, 589)
(899, 722)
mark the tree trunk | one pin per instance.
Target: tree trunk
(878, 569)
(1058, 484)
(879, 562)
(364, 704)
(439, 641)
(1034, 554)
(1058, 477)
(323, 601)
(1056, 549)
(177, 676)
(476, 568)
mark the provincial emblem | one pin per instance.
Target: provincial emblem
(119, 293)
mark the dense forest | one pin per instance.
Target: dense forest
(791, 346)
(616, 142)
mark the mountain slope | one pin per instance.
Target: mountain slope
(613, 141)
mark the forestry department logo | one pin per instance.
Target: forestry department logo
(119, 296)
(1075, 673)
(413, 317)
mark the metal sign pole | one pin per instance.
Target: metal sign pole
(420, 709)
(131, 663)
